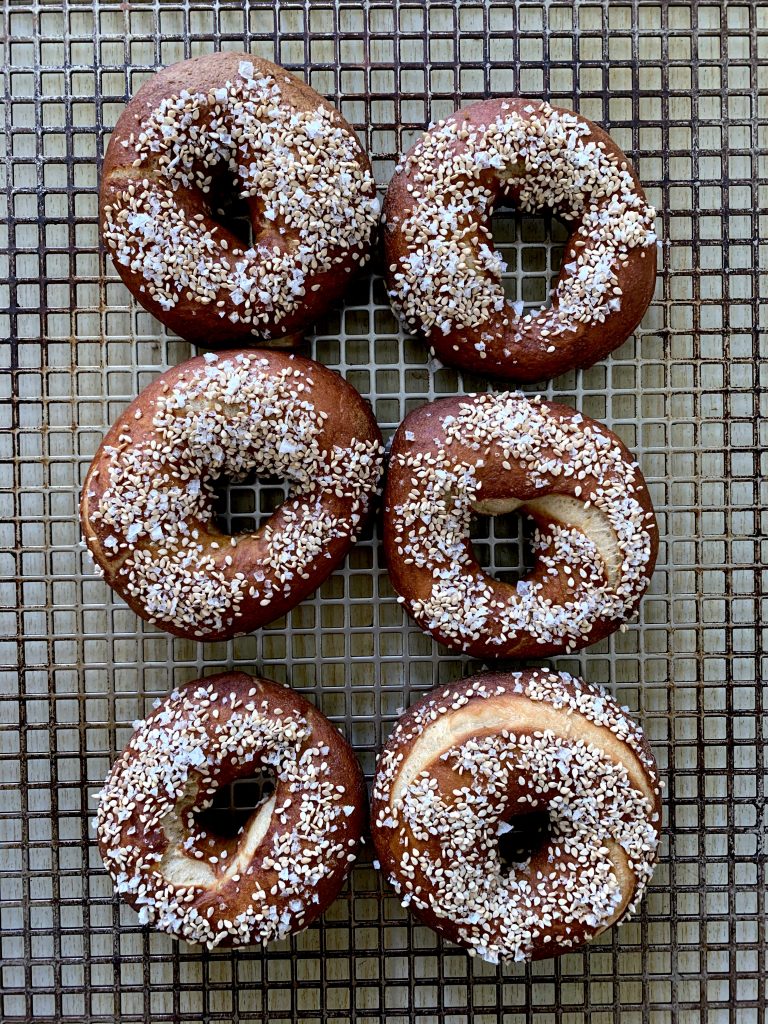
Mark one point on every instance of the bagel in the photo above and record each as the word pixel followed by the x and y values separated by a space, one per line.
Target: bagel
pixel 596 537
pixel 287 863
pixel 444 275
pixel 467 762
pixel 147 507
pixel 234 126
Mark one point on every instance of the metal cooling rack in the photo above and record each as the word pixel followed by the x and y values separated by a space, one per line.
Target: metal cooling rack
pixel 683 87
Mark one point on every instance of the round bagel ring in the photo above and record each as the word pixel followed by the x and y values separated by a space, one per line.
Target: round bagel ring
pixel 467 762
pixel 290 859
pixel 147 507
pixel 233 121
pixel 596 538
pixel 444 275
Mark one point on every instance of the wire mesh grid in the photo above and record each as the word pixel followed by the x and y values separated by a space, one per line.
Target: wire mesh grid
pixel 681 87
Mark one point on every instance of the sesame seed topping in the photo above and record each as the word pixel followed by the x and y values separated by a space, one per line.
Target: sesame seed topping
pixel 448 276
pixel 185 882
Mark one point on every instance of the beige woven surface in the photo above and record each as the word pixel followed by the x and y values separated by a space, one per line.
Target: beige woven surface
pixel 682 88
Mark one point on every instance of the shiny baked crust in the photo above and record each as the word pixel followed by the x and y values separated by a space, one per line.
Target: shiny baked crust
pixel 444 275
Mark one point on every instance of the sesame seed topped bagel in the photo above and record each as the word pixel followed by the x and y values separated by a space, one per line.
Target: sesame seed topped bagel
pixel 148 501
pixel 444 275
pixel 285 865
pixel 234 126
pixel 596 539
pixel 469 762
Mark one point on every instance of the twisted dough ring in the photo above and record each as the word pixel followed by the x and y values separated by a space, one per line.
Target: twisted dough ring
pixel 232 121
pixel 444 275
pixel 492 453
pixel 148 501
pixel 465 761
pixel 289 860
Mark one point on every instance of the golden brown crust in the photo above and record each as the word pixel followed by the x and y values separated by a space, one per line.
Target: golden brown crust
pixel 344 431
pixel 280 872
pixel 127 165
pixel 429 440
pixel 501 345
pixel 514 712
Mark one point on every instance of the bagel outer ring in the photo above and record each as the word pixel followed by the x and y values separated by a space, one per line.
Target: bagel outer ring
pixel 529 360
pixel 350 418
pixel 475 691
pixel 232 896
pixel 190 319
pixel 422 431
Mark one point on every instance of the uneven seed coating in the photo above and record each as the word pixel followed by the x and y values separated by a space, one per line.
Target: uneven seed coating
pixel 445 276
pixel 148 499
pixel 289 860
pixel 596 540
pixel 233 123
pixel 465 760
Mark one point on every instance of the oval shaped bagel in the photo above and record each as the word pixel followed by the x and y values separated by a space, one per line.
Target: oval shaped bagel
pixel 445 276
pixel 148 510
pixel 467 762
pixel 596 539
pixel 232 126
pixel 290 859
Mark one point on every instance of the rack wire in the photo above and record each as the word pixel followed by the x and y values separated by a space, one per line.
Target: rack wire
pixel 683 88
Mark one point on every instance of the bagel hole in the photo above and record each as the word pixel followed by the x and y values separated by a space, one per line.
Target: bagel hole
pixel 234 804
pixel 532 246
pixel 502 544
pixel 232 212
pixel 526 833
pixel 243 506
